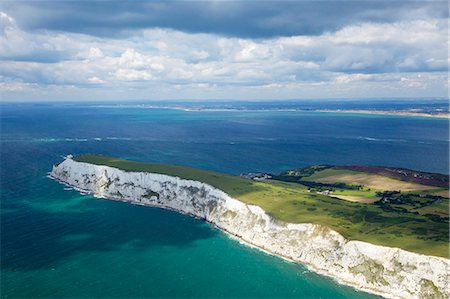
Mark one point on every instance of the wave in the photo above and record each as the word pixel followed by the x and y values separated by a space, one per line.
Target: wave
pixel 54 140
pixel 59 140
pixel 120 138
pixel 378 139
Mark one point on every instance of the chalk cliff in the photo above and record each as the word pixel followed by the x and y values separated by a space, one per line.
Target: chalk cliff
pixel 390 272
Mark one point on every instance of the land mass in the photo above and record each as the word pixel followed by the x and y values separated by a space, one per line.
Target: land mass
pixel 411 215
pixel 301 214
pixel 389 112
pixel 437 109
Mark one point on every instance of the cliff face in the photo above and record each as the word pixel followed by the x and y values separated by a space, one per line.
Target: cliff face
pixel 391 272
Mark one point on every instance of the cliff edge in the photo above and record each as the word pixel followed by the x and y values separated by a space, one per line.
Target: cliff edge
pixel 386 271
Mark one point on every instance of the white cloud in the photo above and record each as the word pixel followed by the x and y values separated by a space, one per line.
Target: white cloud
pixel 347 78
pixel 96 80
pixel 133 75
pixel 95 53
pixel 359 58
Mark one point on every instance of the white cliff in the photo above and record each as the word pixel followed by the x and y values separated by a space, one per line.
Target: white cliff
pixel 390 272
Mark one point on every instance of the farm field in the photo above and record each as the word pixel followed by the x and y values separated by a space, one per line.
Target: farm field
pixel 374 181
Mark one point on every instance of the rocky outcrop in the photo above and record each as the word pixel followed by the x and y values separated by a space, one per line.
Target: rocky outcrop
pixel 390 272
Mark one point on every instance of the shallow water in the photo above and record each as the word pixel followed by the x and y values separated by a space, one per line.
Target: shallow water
pixel 58 243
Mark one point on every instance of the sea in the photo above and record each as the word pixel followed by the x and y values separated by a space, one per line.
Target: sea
pixel 58 243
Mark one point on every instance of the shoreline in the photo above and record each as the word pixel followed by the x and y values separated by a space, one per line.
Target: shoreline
pixel 383 112
pixel 349 111
pixel 309 266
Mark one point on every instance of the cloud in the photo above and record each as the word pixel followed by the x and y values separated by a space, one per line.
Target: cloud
pixel 245 19
pixel 407 56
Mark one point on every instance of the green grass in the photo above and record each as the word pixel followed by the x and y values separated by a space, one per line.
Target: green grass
pixel 365 192
pixel 328 172
pixel 440 208
pixel 233 185
pixel 291 202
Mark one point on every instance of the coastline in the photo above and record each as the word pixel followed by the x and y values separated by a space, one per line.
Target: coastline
pixel 321 249
pixel 383 112
pixel 232 236
pixel 349 111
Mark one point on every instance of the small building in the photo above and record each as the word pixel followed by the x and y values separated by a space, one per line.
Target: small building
pixel 256 176
pixel 325 192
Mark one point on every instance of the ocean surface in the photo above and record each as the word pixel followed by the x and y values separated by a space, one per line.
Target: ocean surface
pixel 56 242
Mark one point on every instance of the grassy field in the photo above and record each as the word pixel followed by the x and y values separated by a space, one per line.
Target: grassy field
pixel 443 193
pixel 356 198
pixel 374 181
pixel 409 227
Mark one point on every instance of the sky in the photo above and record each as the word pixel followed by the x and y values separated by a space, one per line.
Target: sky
pixel 235 50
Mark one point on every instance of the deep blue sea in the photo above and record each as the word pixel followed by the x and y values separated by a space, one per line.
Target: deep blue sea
pixel 59 243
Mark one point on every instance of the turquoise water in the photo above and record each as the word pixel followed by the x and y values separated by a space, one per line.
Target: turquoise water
pixel 58 243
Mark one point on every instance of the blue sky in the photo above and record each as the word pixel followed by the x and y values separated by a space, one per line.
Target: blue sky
pixel 252 50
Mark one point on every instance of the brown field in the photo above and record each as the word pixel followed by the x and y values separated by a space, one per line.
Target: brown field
pixel 373 181
pixel 443 193
pixel 353 198
pixel 403 174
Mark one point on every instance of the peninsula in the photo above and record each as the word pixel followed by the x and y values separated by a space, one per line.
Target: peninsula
pixel 382 230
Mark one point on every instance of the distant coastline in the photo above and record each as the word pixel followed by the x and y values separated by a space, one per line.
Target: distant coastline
pixel 410 112
pixel 384 112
